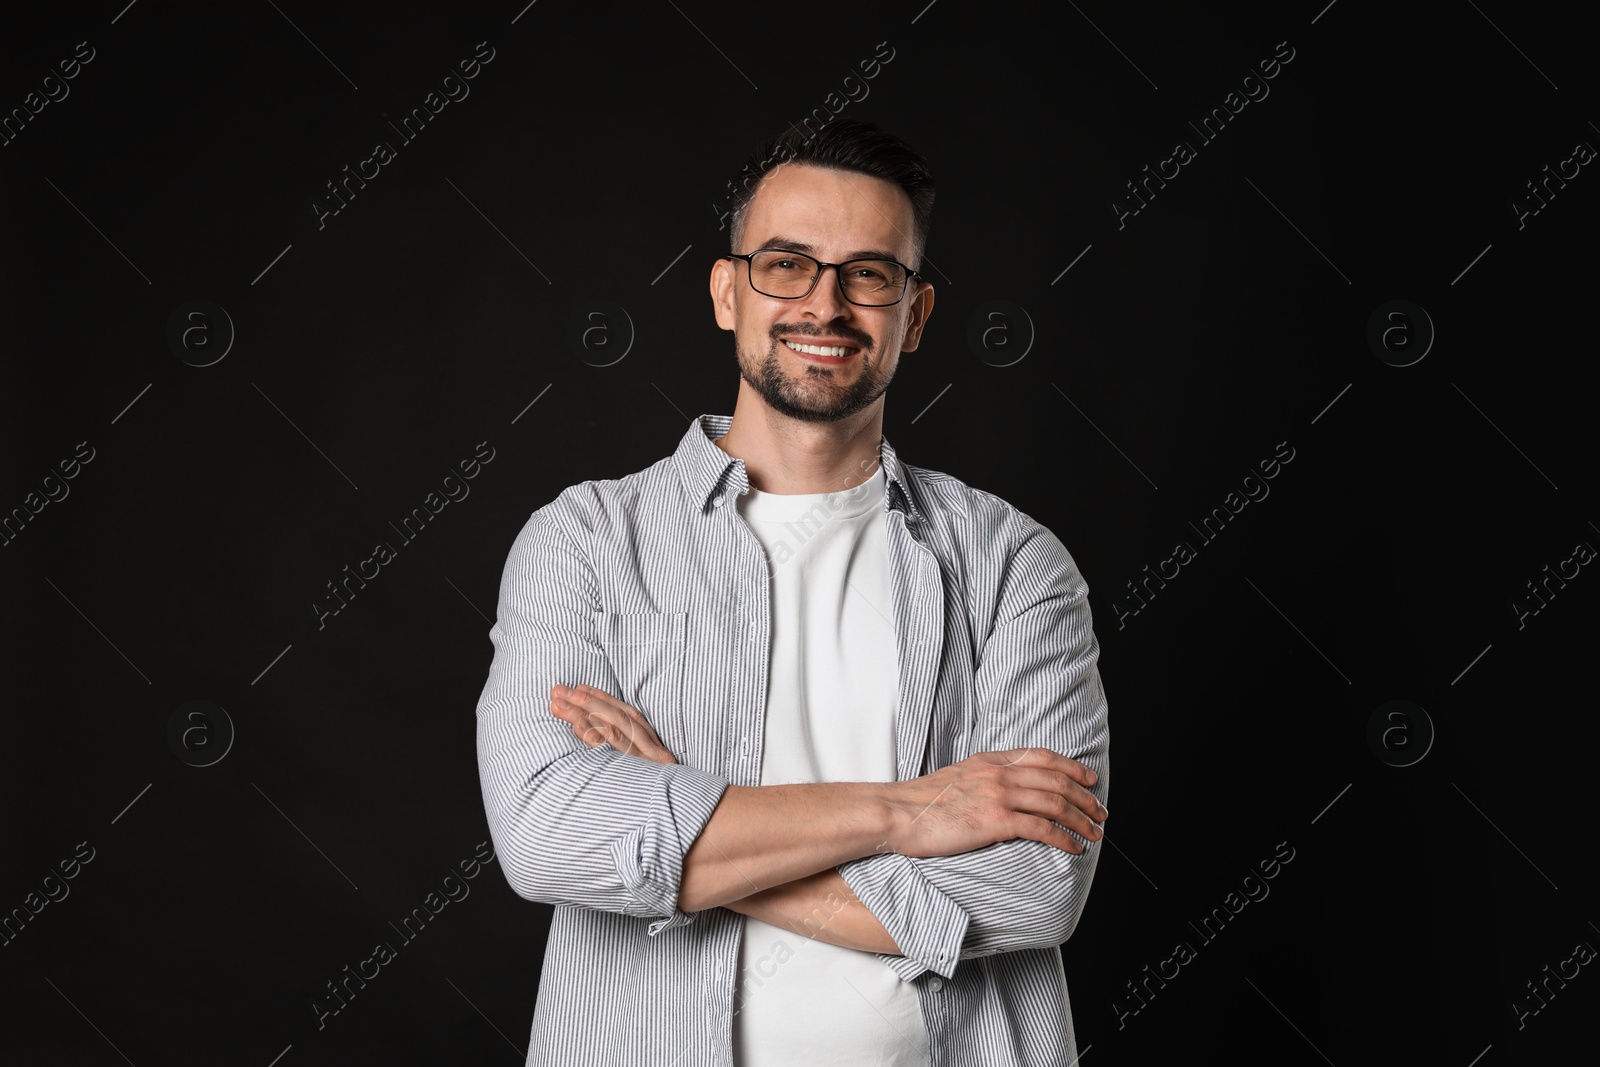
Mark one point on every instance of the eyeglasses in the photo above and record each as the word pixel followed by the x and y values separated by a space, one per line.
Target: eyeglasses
pixel 790 276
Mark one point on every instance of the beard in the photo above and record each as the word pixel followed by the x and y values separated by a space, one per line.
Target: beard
pixel 817 393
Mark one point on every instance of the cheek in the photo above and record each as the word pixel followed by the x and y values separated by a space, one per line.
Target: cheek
pixel 757 339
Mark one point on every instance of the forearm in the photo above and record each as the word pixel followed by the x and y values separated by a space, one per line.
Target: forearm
pixel 591 828
pixel 823 824
pixel 821 906
pixel 1006 897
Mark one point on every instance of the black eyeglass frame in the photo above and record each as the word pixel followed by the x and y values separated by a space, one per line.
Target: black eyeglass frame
pixel 838 274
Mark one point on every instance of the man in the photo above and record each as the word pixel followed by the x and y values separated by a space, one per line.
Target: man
pixel 831 721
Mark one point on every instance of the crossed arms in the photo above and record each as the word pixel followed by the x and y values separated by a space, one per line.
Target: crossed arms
pixel 588 809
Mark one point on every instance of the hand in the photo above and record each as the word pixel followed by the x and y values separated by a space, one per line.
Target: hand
pixel 994 796
pixel 599 718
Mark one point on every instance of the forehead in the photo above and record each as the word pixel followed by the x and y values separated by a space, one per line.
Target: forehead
pixel 836 212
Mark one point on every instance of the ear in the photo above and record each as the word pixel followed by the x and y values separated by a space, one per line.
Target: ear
pixel 723 278
pixel 921 308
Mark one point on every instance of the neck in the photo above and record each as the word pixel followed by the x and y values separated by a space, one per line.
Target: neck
pixel 792 456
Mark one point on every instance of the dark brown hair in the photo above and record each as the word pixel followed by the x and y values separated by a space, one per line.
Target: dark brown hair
pixel 842 144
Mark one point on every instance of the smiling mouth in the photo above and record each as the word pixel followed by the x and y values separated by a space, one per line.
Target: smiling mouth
pixel 822 353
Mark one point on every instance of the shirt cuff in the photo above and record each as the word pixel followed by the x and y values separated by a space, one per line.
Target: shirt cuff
pixel 927 924
pixel 649 858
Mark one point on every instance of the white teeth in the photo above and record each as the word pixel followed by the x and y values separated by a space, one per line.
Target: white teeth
pixel 817 350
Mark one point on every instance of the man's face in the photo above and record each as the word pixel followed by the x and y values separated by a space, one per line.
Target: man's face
pixel 832 216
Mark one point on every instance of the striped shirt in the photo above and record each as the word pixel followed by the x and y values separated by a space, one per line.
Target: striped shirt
pixel 652 588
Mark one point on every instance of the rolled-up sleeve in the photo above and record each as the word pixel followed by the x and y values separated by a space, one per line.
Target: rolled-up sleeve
pixel 1036 686
pixel 575 825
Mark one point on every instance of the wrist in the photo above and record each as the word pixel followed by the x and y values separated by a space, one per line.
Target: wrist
pixel 882 816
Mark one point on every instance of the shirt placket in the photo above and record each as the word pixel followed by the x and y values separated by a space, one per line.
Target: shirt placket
pixel 749 575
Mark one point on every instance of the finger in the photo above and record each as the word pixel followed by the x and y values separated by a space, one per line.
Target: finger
pixel 1047 832
pixel 1049 804
pixel 1048 780
pixel 602 727
pixel 1044 757
pixel 590 734
pixel 587 696
pixel 598 700
pixel 589 707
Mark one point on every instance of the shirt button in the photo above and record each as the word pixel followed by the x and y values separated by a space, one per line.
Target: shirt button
pixel 935 984
pixel 716 501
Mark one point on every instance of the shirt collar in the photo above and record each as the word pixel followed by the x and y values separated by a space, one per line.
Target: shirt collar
pixel 708 472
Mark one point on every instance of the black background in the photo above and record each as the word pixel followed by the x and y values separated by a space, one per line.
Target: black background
pixel 375 352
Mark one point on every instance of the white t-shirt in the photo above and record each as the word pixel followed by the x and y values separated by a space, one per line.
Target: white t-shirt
pixel 831 697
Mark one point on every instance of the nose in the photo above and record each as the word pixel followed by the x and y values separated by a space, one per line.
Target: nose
pixel 826 299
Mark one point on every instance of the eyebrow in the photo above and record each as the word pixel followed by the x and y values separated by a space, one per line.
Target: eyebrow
pixel 800 246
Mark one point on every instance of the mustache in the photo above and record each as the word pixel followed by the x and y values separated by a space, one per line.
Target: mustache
pixel 861 339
